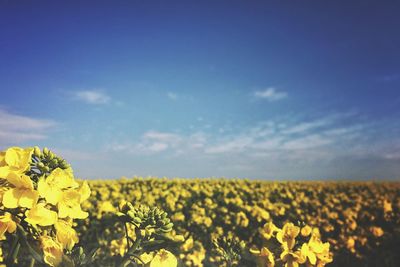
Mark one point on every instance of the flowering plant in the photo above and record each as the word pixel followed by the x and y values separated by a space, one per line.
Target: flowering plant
pixel 39 201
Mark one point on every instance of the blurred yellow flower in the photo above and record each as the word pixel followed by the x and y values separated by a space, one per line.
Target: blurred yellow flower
pixel 22 195
pixel 265 258
pixel 40 215
pixel 7 224
pixel 377 231
pixel 268 230
pixel 52 250
pixel 291 259
pixel 287 235
pixel 164 258
pixel 307 253
pixel 306 230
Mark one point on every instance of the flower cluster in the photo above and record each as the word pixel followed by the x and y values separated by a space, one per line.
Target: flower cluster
pixel 40 199
pixel 295 246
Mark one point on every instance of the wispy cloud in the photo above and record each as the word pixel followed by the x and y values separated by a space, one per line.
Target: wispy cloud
pixel 15 129
pixel 270 94
pixel 94 97
pixel 152 142
pixel 172 96
pixel 284 147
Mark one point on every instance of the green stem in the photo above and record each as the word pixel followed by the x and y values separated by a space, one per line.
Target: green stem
pixel 136 245
pixel 14 249
pixel 127 237
pixel 32 262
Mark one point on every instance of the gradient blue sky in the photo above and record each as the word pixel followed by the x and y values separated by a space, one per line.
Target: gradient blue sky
pixel 249 89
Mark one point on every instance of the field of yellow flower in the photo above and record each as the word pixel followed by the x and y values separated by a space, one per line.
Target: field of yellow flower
pixel 360 220
pixel 49 218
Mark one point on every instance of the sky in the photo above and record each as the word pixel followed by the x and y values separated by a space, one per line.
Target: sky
pixel 275 90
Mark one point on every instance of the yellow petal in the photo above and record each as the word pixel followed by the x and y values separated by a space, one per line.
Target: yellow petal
pixel 4 171
pixel 84 191
pixel 11 197
pixel 40 215
pixel 51 194
pixel 28 198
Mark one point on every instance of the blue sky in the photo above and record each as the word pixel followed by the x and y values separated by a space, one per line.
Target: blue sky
pixel 267 89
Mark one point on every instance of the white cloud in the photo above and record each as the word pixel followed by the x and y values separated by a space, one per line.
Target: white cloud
pixel 172 96
pixel 15 129
pixel 95 97
pixel 270 94
pixel 157 147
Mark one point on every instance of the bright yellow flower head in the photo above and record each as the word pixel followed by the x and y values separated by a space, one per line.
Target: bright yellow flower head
pixel 377 231
pixel 306 230
pixel 164 258
pixel 268 230
pixel 51 187
pixel 66 235
pixel 41 215
pixel 6 224
pixel 291 259
pixel 22 195
pixel 287 235
pixel 307 253
pixel 15 159
pixel 265 258
pixel 52 250
pixel 70 205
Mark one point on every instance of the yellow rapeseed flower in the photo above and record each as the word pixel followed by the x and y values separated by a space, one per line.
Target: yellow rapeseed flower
pixel 307 253
pixel 52 250
pixel 306 230
pixel 7 224
pixel 51 187
pixel 66 235
pixel 164 258
pixel 265 258
pixel 377 231
pixel 22 195
pixel 288 234
pixel 291 259
pixel 40 215
pixel 15 159
pixel 69 205
pixel 268 230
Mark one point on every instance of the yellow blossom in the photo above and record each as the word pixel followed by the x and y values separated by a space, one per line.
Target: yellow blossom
pixel 52 250
pixel 41 215
pixel 164 258
pixel 265 258
pixel 15 159
pixel 69 205
pixel 291 259
pixel 376 231
pixel 51 187
pixel 287 235
pixel 268 230
pixel 22 195
pixel 387 206
pixel 307 253
pixel 66 235
pixel 306 230
pixel 7 224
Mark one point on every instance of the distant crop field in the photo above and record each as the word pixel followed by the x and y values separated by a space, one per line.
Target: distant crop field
pixel 49 218
pixel 361 221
